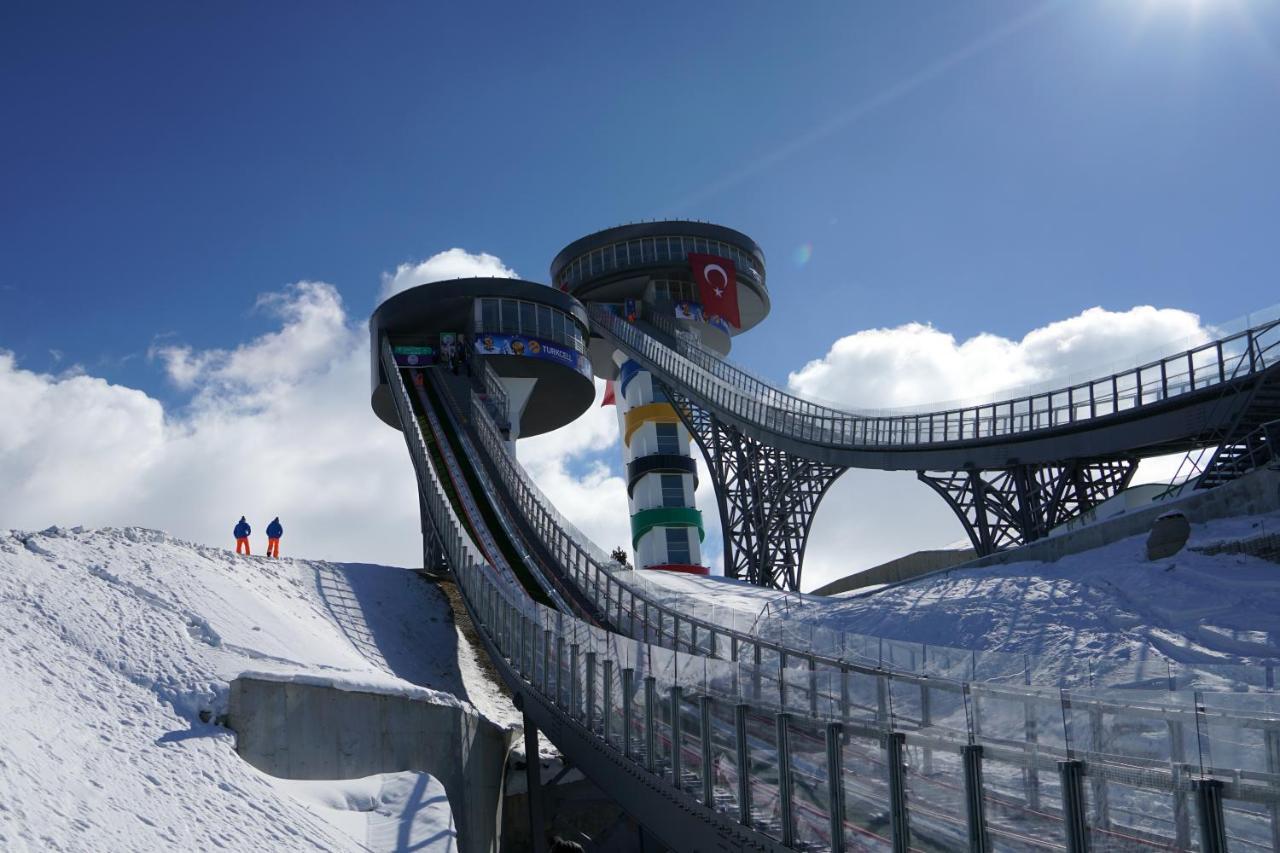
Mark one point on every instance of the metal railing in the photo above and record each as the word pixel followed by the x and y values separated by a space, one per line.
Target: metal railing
pixel 639 607
pixel 871 760
pixel 757 401
pixel 495 391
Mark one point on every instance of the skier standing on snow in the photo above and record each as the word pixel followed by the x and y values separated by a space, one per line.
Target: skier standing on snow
pixel 274 532
pixel 241 533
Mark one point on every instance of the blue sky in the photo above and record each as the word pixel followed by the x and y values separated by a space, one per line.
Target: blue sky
pixel 984 166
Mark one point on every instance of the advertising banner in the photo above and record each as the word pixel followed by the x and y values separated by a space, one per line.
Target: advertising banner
pixel 526 347
pixel 693 311
pixel 413 356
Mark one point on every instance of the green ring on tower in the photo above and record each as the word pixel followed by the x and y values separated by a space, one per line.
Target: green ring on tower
pixel 665 516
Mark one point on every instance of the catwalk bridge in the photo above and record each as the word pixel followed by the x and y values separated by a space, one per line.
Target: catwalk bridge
pixel 717 734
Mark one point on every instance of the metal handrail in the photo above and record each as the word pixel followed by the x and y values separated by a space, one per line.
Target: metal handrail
pixel 757 401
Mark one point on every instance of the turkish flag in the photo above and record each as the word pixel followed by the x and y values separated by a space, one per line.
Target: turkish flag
pixel 718 286
pixel 609 399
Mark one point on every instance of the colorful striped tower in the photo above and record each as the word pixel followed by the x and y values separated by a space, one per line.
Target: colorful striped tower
pixel 707 282
pixel 666 525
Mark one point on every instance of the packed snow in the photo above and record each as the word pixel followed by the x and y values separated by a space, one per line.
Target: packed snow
pixel 1108 604
pixel 116 649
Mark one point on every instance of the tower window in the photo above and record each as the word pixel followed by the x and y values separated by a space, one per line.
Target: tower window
pixel 672 490
pixel 678 545
pixel 668 438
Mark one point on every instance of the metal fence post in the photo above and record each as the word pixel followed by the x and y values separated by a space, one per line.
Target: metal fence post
pixel 676 737
pixel 546 661
pixel 1213 831
pixel 844 693
pixel 650 709
pixel 575 683
pixel 1272 738
pixel 744 763
pixel 628 712
pixel 895 759
pixel 560 685
pixel 975 814
pixel 708 775
pixel 606 699
pixel 785 793
pixel 1097 732
pixel 835 784
pixel 1072 775
pixel 1181 814
pixel 813 686
pixel 755 673
pixel 591 691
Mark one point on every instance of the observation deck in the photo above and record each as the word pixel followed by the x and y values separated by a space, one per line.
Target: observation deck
pixel 531 336
pixel 650 261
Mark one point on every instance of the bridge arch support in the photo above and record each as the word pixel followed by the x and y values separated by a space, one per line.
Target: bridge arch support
pixel 1007 507
pixel 766 496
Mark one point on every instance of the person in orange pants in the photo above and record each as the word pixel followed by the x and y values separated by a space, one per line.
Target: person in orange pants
pixel 241 533
pixel 274 532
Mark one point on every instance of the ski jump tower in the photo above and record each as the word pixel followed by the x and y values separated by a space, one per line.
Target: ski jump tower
pixel 699 280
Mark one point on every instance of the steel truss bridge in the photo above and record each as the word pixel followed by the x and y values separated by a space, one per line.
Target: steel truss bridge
pixel 720 736
pixel 1012 470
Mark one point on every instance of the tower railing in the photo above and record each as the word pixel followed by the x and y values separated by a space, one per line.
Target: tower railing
pixel 757 401
pixel 871 759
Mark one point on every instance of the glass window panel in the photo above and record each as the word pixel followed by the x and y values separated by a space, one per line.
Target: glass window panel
pixel 557 327
pixel 672 490
pixel 528 318
pixel 510 316
pixel 650 250
pixel 668 440
pixel 489 315
pixel 544 322
pixel 678 545
pixel 677 249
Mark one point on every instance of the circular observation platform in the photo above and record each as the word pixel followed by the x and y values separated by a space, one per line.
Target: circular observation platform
pixel 649 262
pixel 533 336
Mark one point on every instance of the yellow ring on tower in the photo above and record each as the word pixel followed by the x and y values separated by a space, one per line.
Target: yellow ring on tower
pixel 661 413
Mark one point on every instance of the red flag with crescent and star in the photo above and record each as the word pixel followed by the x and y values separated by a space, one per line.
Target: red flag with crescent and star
pixel 609 399
pixel 717 280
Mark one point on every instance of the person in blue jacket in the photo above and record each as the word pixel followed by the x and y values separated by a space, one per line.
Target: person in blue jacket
pixel 241 533
pixel 274 532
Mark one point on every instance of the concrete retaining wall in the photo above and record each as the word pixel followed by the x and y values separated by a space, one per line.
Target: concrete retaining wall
pixel 894 571
pixel 300 730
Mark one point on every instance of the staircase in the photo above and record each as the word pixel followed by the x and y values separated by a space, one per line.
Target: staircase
pixel 1249 442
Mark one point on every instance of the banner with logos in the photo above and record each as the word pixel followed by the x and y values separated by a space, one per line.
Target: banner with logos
pixel 414 356
pixel 693 311
pixel 526 347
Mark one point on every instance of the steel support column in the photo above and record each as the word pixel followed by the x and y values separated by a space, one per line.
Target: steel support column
pixel 1012 506
pixel 767 497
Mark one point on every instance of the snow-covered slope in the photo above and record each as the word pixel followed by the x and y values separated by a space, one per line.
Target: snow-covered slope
pixel 1109 604
pixel 116 647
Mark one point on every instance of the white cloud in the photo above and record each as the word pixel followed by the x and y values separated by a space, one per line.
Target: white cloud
pixel 278 426
pixel 916 364
pixel 452 263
